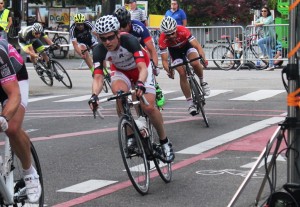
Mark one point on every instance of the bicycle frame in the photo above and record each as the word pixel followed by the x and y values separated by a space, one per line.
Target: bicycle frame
pixel 6 178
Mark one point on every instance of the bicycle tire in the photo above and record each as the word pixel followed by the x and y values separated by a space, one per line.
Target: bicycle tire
pixel 251 51
pixel 164 169
pixel 61 74
pixel 198 98
pixel 44 74
pixel 62 52
pixel 135 163
pixel 221 52
pixel 19 182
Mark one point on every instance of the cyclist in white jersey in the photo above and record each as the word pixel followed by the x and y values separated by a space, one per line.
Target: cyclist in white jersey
pixel 129 66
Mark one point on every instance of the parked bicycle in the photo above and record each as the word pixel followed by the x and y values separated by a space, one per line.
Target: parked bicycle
pixel 196 89
pixel 107 77
pixel 12 185
pixel 57 71
pixel 138 160
pixel 63 51
pixel 226 58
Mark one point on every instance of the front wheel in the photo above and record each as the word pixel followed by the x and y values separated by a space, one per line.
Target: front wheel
pixel 62 52
pixel 198 98
pixel 61 74
pixel 44 74
pixel 20 184
pixel 134 158
pixel 221 56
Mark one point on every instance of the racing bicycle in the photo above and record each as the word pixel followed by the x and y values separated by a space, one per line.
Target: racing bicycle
pixel 196 90
pixel 12 185
pixel 139 160
pixel 226 58
pixel 56 71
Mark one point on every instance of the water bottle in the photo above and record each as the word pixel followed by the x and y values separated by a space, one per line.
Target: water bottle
pixel 141 124
pixel 258 63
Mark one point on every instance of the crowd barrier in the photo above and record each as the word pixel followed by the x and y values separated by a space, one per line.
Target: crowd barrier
pixel 226 51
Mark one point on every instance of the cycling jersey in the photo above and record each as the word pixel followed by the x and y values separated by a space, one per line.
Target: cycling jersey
pixel 12 66
pixel 124 58
pixel 183 37
pixel 85 35
pixel 140 31
pixel 26 36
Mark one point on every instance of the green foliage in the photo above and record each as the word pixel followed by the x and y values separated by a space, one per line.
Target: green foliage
pixel 158 6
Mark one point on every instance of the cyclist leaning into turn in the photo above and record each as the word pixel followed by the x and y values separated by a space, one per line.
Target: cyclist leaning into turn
pixel 139 30
pixel 178 40
pixel 81 36
pixel 130 66
pixel 14 90
pixel 29 41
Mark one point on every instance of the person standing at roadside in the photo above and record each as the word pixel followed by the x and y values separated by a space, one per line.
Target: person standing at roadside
pixel 267 42
pixel 5 20
pixel 137 13
pixel 176 13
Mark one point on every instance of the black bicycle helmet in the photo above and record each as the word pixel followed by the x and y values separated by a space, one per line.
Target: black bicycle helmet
pixel 123 16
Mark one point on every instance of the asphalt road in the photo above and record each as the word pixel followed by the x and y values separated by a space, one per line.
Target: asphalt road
pixel 81 161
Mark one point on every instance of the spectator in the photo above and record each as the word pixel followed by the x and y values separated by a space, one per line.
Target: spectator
pixel 277 53
pixel 267 42
pixel 5 20
pixel 137 13
pixel 177 13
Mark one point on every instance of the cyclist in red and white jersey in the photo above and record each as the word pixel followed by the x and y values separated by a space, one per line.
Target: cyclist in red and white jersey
pixel 14 89
pixel 179 41
pixel 130 65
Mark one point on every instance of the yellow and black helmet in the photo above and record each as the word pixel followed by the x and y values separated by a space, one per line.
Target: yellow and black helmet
pixel 79 18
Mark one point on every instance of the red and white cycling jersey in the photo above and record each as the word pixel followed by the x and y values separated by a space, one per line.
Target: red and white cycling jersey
pixel 183 36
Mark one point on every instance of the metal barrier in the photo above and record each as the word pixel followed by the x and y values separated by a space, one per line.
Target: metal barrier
pixel 235 47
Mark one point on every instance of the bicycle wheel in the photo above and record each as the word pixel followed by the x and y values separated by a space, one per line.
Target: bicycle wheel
pixel 252 54
pixel 198 98
pixel 164 169
pixel 20 184
pixel 44 74
pixel 61 74
pixel 220 56
pixel 62 52
pixel 135 161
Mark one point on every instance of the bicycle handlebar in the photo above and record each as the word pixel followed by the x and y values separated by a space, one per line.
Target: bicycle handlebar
pixel 123 95
pixel 189 61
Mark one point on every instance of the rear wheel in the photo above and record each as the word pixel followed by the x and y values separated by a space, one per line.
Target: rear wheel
pixel 221 56
pixel 134 160
pixel 62 52
pixel 61 74
pixel 164 169
pixel 20 184
pixel 198 98
pixel 44 74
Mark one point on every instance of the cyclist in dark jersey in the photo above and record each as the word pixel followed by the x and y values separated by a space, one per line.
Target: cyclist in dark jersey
pixel 29 41
pixel 14 89
pixel 81 36
pixel 139 30
pixel 130 66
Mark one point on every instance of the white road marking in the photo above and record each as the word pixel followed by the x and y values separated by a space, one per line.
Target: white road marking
pixel 262 163
pixel 87 186
pixel 230 136
pixel 43 98
pixel 258 95
pixel 82 98
pixel 212 93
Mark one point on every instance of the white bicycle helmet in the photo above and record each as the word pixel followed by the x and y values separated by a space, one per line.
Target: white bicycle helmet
pixel 37 27
pixel 106 24
pixel 168 25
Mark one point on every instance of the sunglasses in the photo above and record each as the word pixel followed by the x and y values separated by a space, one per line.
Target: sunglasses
pixel 264 11
pixel 170 34
pixel 109 38
pixel 79 24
